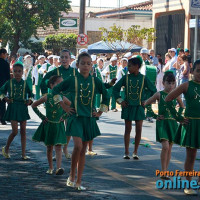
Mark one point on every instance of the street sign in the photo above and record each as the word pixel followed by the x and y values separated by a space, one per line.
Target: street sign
pixel 195 7
pixel 192 23
pixel 82 39
pixel 68 23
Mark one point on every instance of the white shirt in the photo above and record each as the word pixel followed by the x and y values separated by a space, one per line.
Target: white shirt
pixel 142 69
pixel 160 72
pixel 172 61
pixel 107 69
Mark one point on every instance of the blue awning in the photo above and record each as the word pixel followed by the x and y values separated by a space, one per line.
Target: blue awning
pixel 106 47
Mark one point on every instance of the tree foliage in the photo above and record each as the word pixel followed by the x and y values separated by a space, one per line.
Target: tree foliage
pixel 35 47
pixel 21 18
pixel 133 35
pixel 56 43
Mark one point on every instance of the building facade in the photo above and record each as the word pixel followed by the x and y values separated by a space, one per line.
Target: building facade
pixel 171 19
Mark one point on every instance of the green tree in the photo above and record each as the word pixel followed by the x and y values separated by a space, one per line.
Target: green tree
pixel 36 47
pixel 21 18
pixel 56 43
pixel 134 35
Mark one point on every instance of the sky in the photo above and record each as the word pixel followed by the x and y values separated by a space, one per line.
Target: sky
pixel 107 3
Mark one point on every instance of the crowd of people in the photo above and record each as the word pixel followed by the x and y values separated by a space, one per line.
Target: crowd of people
pixel 77 91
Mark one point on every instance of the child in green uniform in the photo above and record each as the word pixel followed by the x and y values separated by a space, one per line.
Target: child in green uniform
pixel 98 70
pixel 122 72
pixel 82 126
pixel 188 131
pixel 52 131
pixel 65 71
pixel 166 125
pixel 17 94
pixel 111 72
pixel 132 105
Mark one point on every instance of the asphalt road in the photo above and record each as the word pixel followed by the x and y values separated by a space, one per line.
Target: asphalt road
pixel 107 175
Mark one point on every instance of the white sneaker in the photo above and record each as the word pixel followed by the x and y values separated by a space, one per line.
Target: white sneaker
pixel 49 171
pixel 91 153
pixel 70 183
pixel 80 187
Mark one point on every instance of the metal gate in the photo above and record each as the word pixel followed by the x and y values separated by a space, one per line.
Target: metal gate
pixel 169 31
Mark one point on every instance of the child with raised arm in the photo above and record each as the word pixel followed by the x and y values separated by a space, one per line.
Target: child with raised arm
pixel 82 126
pixel 18 95
pixel 52 131
pixel 188 131
pixel 166 125
pixel 132 104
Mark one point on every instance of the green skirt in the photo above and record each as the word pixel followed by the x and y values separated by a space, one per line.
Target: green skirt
pixel 133 113
pixel 51 134
pixel 189 135
pixel 166 130
pixel 17 111
pixel 84 127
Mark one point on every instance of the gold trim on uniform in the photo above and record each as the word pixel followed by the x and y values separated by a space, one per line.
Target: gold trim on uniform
pixel 11 91
pixel 2 96
pixel 141 89
pixel 24 90
pixel 57 98
pixel 119 100
pixel 103 108
pixel 76 94
pixel 93 87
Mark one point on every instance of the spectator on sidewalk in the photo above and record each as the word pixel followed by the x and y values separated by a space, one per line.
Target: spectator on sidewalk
pixel 4 76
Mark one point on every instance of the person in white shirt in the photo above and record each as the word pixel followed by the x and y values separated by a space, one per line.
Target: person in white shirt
pixel 123 69
pixel 160 74
pixel 144 54
pixel 55 63
pixel 28 71
pixel 154 59
pixel 38 76
pixel 45 67
pixel 128 55
pixel 172 65
pixel 167 62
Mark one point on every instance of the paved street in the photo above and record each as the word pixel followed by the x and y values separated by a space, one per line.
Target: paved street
pixel 106 175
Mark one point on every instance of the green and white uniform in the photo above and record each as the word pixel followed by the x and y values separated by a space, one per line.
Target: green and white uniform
pixel 29 77
pixel 19 93
pixel 82 95
pixel 52 132
pixel 60 71
pixel 166 128
pixel 189 135
pixel 112 74
pixel 38 80
pixel 98 96
pixel 135 95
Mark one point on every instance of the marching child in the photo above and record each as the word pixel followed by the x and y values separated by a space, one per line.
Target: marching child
pixel 166 125
pixel 188 131
pixel 82 126
pixel 132 104
pixel 52 131
pixel 18 95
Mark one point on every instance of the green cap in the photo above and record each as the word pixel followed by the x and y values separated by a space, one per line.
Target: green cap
pixel 19 63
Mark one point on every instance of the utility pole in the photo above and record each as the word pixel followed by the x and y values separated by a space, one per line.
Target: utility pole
pixel 196 36
pixel 82 17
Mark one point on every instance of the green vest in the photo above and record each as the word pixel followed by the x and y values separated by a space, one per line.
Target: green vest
pixel 113 71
